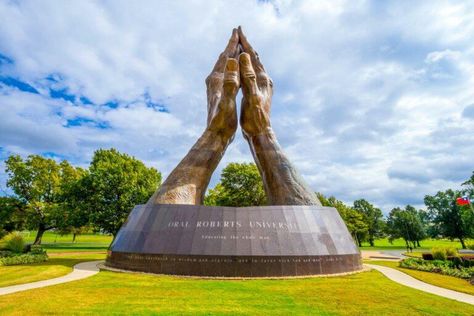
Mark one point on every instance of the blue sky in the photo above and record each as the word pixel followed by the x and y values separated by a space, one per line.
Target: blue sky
pixel 373 99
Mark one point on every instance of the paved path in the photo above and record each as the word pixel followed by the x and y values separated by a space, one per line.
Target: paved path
pixel 80 271
pixel 409 281
pixel 379 255
pixel 395 253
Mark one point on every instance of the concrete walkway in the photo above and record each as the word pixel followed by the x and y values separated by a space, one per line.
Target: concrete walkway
pixel 80 271
pixel 379 255
pixel 409 281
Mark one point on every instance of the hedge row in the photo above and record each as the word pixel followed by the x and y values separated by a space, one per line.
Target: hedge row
pixel 438 266
pixel 23 259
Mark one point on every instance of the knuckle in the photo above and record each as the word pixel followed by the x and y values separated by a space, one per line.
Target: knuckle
pixel 264 79
pixel 214 79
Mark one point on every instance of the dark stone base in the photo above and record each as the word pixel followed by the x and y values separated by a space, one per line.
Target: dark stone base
pixel 234 266
pixel 268 241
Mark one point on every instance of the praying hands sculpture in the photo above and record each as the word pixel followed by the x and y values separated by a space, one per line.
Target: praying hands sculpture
pixel 238 66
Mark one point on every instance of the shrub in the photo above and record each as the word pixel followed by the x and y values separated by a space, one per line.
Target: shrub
pixel 14 242
pixel 451 252
pixel 457 261
pixel 438 266
pixel 23 259
pixel 427 256
pixel 470 245
pixel 37 249
pixel 439 253
pixel 467 261
pixel 5 253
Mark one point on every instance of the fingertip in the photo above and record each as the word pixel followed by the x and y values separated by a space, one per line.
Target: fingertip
pixel 244 58
pixel 232 65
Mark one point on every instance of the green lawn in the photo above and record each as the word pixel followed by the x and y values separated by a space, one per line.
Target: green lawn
pixel 88 242
pixel 57 265
pixel 367 293
pixel 53 242
pixel 52 237
pixel 384 244
pixel 437 279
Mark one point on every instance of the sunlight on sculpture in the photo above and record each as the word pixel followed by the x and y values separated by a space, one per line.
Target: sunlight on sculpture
pixel 174 234
pixel 188 182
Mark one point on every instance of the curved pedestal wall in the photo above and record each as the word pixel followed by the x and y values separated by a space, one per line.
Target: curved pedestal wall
pixel 234 242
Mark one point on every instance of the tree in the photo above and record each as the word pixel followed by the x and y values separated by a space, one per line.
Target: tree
pixel 407 224
pixel 11 214
pixel 115 184
pixel 240 185
pixel 38 183
pixel 469 185
pixel 352 218
pixel 452 221
pixel 75 210
pixel 373 217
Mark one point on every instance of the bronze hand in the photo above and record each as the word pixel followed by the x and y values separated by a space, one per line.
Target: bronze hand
pixel 188 182
pixel 282 182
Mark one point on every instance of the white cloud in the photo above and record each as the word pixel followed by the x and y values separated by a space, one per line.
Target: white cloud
pixel 369 96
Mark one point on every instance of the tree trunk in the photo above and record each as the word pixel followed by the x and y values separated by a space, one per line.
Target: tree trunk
pixel 418 243
pixel 359 242
pixel 39 234
pixel 462 243
pixel 74 237
pixel 371 241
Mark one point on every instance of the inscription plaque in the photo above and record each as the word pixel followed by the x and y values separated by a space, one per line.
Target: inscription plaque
pixel 234 242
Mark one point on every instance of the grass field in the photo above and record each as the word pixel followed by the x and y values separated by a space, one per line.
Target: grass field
pixel 88 242
pixel 53 242
pixel 367 293
pixel 384 244
pixel 57 265
pixel 437 279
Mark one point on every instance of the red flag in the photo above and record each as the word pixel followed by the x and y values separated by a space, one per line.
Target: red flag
pixel 462 201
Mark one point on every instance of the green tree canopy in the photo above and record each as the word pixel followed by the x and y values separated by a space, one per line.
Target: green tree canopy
pixel 75 211
pixel 11 214
pixel 240 185
pixel 373 217
pixel 407 224
pixel 39 183
pixel 115 184
pixel 352 218
pixel 451 221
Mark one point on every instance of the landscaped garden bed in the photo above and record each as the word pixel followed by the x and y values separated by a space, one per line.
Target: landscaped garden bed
pixel 14 251
pixel 444 261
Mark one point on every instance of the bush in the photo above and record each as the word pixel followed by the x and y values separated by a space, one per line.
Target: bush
pixel 467 261
pixel 451 252
pixel 6 253
pixel 37 249
pixel 23 259
pixel 14 242
pixel 470 245
pixel 439 253
pixel 427 256
pixel 438 266
pixel 457 261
